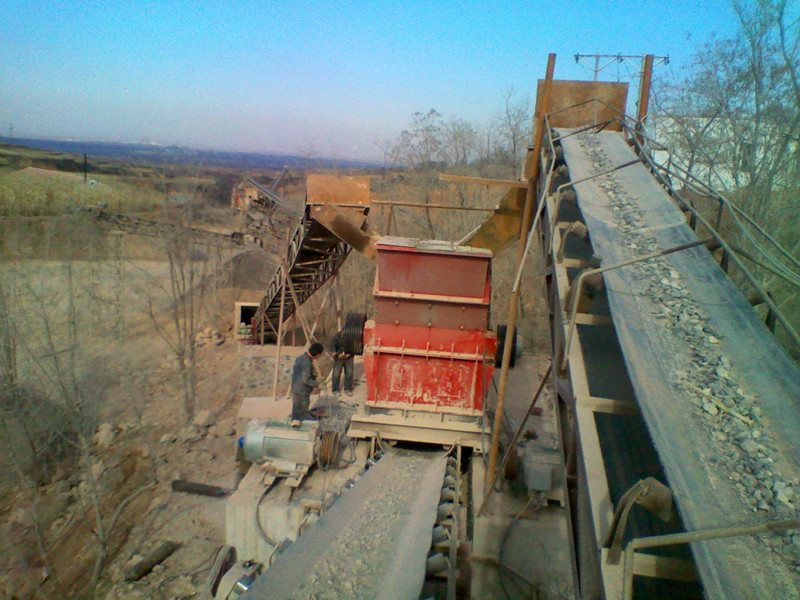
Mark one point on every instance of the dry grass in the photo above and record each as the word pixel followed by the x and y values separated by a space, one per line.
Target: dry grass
pixel 40 192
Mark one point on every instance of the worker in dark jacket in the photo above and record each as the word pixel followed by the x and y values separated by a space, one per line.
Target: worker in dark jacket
pixel 305 382
pixel 341 361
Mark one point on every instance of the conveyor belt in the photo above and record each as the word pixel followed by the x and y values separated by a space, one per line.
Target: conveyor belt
pixel 169 231
pixel 313 256
pixel 372 544
pixel 726 347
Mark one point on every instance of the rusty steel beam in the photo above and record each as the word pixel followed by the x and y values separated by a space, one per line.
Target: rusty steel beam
pixel 542 108
pixel 644 88
pixel 525 227
pixel 391 203
pixel 340 222
pixel 482 180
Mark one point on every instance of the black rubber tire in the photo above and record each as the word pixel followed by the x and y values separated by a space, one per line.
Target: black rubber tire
pixel 354 333
pixel 502 330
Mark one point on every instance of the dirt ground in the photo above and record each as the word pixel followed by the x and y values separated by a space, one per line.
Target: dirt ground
pixel 141 441
pixel 203 452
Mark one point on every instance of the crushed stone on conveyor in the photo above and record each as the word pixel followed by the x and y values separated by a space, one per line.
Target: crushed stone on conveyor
pixel 365 549
pixel 747 454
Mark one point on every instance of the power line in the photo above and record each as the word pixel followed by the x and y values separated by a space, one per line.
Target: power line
pixel 612 59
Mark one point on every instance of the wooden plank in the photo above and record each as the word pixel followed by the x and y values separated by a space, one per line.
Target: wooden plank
pixel 609 405
pixel 663 567
pixel 575 263
pixel 588 319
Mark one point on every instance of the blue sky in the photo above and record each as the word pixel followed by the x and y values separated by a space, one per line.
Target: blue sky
pixel 329 78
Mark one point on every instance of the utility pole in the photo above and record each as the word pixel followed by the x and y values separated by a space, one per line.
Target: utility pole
pixel 617 59
pixel 639 65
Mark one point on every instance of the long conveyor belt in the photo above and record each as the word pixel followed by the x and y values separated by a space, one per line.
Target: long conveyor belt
pixel 166 230
pixel 688 334
pixel 372 543
pixel 313 256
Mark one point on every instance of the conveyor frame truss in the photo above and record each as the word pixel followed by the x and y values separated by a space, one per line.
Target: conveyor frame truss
pixel 333 222
pixel 313 256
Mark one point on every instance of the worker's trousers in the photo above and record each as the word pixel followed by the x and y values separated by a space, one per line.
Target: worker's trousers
pixel 340 364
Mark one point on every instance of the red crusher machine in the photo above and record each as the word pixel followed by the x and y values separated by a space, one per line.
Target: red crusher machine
pixel 428 352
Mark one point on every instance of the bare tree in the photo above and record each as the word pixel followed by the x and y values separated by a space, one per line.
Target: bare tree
pixel 54 420
pixel 485 146
pixel 391 153
pixel 513 126
pixel 184 294
pixel 735 116
pixel 433 143
pixel 734 121
pixel 177 307
pixel 421 145
pixel 459 143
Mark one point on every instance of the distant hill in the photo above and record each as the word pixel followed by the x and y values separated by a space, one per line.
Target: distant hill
pixel 152 153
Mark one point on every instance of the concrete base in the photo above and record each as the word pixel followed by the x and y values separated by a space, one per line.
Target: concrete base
pixel 535 550
pixel 241 513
